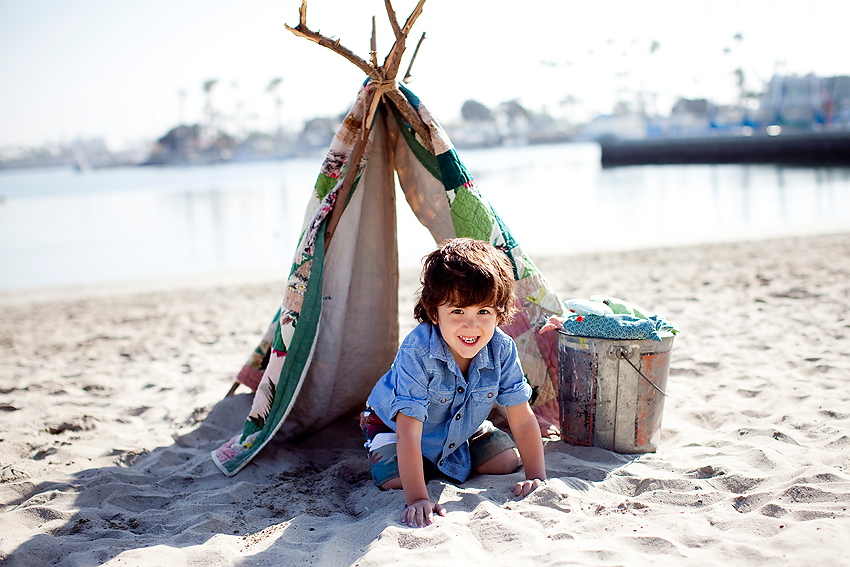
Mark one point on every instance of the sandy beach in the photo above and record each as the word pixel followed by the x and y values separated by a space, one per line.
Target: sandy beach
pixel 111 401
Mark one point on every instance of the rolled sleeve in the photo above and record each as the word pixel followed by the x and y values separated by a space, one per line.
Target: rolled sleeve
pixel 518 394
pixel 410 390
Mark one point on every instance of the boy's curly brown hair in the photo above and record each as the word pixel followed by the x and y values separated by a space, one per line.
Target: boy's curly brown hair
pixel 463 272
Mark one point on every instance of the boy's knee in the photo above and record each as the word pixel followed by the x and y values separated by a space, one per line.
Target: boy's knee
pixel 505 462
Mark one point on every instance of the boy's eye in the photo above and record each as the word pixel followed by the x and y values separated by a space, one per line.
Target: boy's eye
pixel 483 311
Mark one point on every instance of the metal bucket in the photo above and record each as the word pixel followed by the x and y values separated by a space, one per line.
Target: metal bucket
pixel 611 392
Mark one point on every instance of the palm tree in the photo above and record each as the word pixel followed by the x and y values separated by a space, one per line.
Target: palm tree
pixel 273 87
pixel 181 107
pixel 208 107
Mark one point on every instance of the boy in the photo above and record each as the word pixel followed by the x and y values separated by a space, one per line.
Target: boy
pixel 430 409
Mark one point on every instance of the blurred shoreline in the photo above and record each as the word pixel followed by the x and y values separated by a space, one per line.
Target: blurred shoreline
pixel 799 120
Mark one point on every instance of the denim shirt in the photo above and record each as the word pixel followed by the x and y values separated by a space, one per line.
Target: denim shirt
pixel 426 383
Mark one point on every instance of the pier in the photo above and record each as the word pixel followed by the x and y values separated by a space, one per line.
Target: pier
pixel 805 149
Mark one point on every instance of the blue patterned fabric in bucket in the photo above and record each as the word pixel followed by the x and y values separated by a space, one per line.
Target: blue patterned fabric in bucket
pixel 614 319
pixel 623 327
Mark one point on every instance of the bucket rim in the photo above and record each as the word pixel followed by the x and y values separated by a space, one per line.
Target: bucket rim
pixel 563 335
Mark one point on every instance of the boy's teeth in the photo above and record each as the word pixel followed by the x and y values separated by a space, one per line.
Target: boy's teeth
pixel 468 340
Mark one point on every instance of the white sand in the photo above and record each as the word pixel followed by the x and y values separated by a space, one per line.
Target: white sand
pixel 109 406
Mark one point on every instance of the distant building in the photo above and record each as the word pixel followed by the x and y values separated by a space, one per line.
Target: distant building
pixel 690 116
pixel 627 126
pixel 806 103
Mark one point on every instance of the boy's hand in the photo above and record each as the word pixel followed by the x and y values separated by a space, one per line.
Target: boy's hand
pixel 554 322
pixel 525 487
pixel 418 514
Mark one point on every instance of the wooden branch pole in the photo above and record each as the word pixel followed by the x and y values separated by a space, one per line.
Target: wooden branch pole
pixel 350 174
pixel 373 53
pixel 302 30
pixel 403 106
pixel 412 59
pixel 233 389
pixel 393 19
pixel 393 59
pixel 411 19
pixel 384 77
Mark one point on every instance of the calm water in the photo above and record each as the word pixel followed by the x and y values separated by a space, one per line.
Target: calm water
pixel 59 227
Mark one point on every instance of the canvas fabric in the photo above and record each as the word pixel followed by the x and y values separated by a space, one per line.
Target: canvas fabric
pixel 336 331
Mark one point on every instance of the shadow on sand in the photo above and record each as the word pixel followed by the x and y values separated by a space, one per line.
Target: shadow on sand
pixel 173 500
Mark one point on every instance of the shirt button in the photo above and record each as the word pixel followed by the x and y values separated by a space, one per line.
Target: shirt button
pixel 441 462
pixel 451 445
pixel 460 390
pixel 457 417
pixel 490 395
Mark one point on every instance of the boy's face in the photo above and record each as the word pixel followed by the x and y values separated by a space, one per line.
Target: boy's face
pixel 466 330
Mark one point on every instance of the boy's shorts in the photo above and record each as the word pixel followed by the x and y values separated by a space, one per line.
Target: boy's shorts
pixel 487 442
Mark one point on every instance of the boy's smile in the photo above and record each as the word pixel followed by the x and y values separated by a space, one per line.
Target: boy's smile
pixel 466 330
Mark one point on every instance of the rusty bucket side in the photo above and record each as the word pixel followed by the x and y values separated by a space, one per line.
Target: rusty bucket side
pixel 611 392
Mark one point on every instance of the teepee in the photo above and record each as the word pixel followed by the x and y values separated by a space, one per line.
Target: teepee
pixel 337 329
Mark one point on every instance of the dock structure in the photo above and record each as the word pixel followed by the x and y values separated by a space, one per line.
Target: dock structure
pixel 804 149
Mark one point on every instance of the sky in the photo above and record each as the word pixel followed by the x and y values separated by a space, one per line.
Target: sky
pixel 116 70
